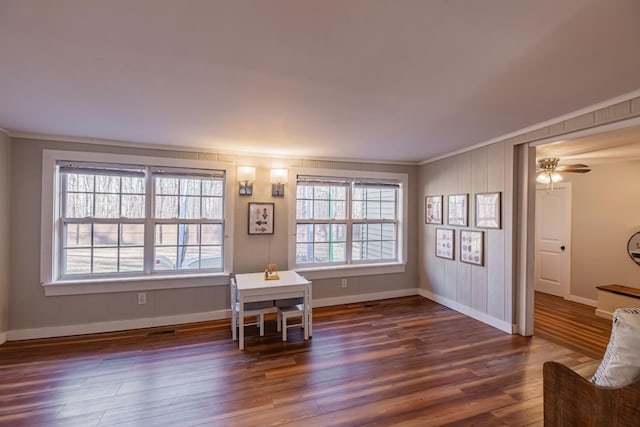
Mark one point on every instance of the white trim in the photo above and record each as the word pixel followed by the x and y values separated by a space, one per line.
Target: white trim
pixel 351 270
pixel 48 208
pixel 603 313
pixel 581 300
pixel 467 311
pixel 116 325
pixel 595 129
pixel 5 131
pixel 352 299
pixel 3 337
pixel 134 284
pixel 590 109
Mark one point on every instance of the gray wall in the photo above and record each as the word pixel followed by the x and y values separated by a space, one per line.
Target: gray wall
pixel 485 291
pixel 4 235
pixel 31 309
pixel 605 213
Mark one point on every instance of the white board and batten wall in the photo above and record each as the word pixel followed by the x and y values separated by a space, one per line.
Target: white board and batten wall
pixel 482 292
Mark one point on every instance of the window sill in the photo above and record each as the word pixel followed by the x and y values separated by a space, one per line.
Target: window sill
pixel 335 271
pixel 133 284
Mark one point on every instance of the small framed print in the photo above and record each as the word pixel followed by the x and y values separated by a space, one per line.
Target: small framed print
pixel 458 209
pixel 433 210
pixel 488 207
pixel 472 247
pixel 445 243
pixel 261 218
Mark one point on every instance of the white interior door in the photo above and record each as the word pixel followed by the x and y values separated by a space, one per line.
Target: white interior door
pixel 553 239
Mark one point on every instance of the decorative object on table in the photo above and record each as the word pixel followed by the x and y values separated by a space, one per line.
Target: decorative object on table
pixel 472 247
pixel 271 272
pixel 488 209
pixel 445 243
pixel 433 210
pixel 633 247
pixel 261 218
pixel 458 210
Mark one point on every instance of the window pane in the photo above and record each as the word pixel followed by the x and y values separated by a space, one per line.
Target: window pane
pixel 388 250
pixel 304 209
pixel 166 258
pixel 190 187
pixel 133 206
pixel 211 257
pixel 304 233
pixel 105 260
pixel 132 235
pixel 338 252
pixel 105 235
pixel 132 185
pixel 211 234
pixel 388 210
pixel 166 185
pixel 77 235
pixel 373 210
pixel 107 184
pixel 304 253
pixel 131 259
pixel 107 206
pixel 358 211
pixel 189 207
pixel 388 232
pixel 321 252
pixel 80 183
pixel 321 233
pixel 212 188
pixel 166 206
pixel 189 257
pixel 79 205
pixel 77 261
pixel 166 234
pixel 188 234
pixel 304 191
pixel 212 208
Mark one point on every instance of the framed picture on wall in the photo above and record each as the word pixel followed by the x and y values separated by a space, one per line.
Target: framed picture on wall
pixel 488 208
pixel 445 243
pixel 433 210
pixel 261 218
pixel 458 209
pixel 472 246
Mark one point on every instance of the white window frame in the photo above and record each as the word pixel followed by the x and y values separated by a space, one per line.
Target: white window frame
pixel 49 254
pixel 361 268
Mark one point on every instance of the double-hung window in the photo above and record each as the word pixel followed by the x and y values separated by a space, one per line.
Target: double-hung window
pixel 125 222
pixel 348 221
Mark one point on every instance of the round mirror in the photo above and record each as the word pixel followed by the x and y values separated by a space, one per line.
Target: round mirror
pixel 634 247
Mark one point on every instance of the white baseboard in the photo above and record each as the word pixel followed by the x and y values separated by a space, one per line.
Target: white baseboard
pixel 351 299
pixel 580 300
pixel 605 314
pixel 112 326
pixel 3 337
pixel 467 311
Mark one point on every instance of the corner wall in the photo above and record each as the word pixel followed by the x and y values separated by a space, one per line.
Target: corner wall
pixel 4 236
pixel 482 292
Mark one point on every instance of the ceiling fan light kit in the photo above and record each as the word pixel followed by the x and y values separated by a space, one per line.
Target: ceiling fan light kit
pixel 548 169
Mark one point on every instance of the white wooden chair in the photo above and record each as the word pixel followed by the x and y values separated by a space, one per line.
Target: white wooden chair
pixel 251 309
pixel 286 312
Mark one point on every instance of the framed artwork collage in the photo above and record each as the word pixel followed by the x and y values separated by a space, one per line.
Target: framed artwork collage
pixel 488 210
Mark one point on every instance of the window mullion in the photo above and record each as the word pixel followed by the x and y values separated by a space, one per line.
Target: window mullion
pixel 149 224
pixel 349 219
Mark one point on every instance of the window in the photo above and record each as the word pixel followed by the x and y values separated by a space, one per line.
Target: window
pixel 347 221
pixel 129 222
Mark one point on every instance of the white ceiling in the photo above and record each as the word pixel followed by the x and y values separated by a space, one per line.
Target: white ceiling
pixel 393 80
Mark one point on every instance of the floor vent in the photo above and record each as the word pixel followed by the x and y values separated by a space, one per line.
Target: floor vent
pixel 161 332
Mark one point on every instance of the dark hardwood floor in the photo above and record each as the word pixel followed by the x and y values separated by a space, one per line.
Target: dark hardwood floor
pixel 398 362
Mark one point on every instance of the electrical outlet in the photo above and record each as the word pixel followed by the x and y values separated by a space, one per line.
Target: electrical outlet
pixel 142 298
pixel 344 283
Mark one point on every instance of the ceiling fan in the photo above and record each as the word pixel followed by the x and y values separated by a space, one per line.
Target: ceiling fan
pixel 548 170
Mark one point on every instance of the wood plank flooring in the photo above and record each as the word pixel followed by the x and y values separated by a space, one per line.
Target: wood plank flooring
pixel 398 362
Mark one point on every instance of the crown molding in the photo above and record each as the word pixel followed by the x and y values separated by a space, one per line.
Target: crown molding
pixel 590 109
pixel 193 149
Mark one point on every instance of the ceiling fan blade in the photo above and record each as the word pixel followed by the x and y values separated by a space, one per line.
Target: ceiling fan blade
pixel 576 170
pixel 578 165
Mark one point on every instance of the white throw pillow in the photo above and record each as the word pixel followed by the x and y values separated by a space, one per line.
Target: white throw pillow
pixel 621 363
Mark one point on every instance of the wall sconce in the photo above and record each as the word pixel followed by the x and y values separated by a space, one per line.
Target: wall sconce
pixel 279 177
pixel 246 177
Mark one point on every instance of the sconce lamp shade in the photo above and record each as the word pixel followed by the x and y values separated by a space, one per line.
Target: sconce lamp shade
pixel 279 177
pixel 246 177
